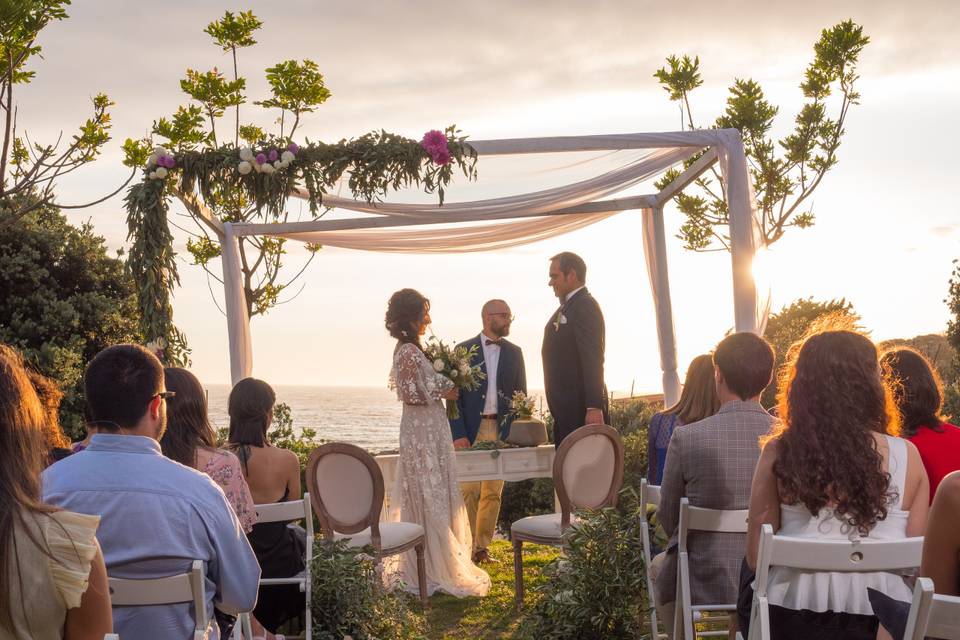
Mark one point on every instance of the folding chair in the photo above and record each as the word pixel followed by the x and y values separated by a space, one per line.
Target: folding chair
pixel 184 587
pixel 649 495
pixel 858 556
pixel 587 474
pixel 287 512
pixel 705 520
pixel 931 614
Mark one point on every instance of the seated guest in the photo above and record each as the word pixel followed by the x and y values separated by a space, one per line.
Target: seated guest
pixel 53 583
pixel 919 396
pixel 191 441
pixel 157 516
pixel 698 400
pixel 273 476
pixel 831 470
pixel 50 395
pixel 711 462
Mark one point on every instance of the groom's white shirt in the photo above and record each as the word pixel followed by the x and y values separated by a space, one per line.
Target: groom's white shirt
pixel 491 359
pixel 572 293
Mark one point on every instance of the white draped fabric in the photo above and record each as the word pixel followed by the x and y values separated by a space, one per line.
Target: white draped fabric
pixel 515 220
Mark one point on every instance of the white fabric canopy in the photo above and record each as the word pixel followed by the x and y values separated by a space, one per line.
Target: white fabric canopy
pixel 511 221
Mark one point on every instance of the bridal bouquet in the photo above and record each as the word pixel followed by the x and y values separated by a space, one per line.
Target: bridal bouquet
pixel 454 363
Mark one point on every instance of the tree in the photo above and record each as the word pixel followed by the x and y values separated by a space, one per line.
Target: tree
pixel 785 172
pixel 791 324
pixel 29 170
pixel 65 299
pixel 951 404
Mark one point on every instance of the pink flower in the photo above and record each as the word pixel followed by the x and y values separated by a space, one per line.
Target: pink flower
pixel 433 140
pixel 261 158
pixel 440 156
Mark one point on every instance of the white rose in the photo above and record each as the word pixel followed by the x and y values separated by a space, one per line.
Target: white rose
pixel 267 168
pixel 287 157
pixel 161 173
pixel 152 160
pixel 159 151
pixel 244 167
pixel 246 153
pixel 464 369
pixel 278 165
pixel 438 365
pixel 152 175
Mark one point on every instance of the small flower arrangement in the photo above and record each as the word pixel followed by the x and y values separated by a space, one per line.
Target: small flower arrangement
pixel 266 161
pixel 454 363
pixel 435 144
pixel 522 406
pixel 159 163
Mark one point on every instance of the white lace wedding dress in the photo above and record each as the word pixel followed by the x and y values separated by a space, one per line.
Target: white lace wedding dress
pixel 426 489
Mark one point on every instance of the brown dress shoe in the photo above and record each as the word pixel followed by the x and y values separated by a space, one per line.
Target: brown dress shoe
pixel 482 556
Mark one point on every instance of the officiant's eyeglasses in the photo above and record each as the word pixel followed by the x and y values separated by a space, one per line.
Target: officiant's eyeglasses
pixel 510 317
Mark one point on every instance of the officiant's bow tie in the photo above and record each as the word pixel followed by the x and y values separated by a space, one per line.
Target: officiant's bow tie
pixel 489 342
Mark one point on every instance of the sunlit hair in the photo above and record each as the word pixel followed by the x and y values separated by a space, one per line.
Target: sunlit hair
pixel 698 400
pixel 22 452
pixel 917 389
pixel 251 410
pixel 50 395
pixel 404 312
pixel 188 426
pixel 833 399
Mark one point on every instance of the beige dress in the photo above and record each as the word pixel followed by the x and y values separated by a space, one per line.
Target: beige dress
pixel 43 587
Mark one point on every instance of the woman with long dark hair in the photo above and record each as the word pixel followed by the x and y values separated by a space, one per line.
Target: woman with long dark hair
pixel 919 395
pixel 191 441
pixel 273 475
pixel 53 583
pixel 833 470
pixel 426 489
pixel 698 400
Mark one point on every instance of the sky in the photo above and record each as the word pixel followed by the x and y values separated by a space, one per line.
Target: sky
pixel 888 222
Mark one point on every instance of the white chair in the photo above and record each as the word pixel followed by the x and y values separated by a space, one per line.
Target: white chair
pixel 587 474
pixel 111 636
pixel 347 486
pixel 705 520
pixel 823 555
pixel 931 614
pixel 185 587
pixel 649 495
pixel 287 512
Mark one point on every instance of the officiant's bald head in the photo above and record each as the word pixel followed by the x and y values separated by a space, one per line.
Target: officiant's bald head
pixel 496 317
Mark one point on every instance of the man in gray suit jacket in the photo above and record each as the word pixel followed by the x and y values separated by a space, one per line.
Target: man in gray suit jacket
pixel 711 462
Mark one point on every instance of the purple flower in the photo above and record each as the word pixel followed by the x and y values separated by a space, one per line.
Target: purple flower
pixel 292 147
pixel 261 158
pixel 273 155
pixel 167 161
pixel 440 156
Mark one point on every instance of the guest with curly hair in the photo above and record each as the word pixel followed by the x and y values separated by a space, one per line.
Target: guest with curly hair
pixel 919 395
pixel 833 470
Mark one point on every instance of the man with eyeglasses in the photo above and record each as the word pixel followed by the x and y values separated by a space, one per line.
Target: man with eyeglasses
pixel 485 415
pixel 156 516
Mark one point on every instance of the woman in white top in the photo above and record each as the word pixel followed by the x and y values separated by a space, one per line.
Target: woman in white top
pixel 831 470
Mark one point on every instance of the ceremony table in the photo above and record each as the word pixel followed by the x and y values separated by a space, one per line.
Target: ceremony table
pixel 511 465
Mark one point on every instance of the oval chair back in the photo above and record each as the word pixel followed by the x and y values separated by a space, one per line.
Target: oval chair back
pixel 346 486
pixel 588 470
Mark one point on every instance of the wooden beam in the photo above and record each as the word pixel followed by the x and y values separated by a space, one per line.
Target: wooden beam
pixel 691 173
pixel 440 217
pixel 201 211
pixel 610 142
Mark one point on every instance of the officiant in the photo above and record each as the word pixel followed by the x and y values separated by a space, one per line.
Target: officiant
pixel 485 415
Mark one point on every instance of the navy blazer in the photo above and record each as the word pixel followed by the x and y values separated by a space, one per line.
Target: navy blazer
pixel 511 376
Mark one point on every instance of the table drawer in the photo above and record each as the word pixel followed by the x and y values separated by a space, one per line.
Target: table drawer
pixel 469 466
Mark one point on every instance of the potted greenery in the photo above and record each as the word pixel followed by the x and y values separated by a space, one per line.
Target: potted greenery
pixel 525 430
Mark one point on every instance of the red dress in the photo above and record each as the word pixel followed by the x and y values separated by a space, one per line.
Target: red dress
pixel 940 451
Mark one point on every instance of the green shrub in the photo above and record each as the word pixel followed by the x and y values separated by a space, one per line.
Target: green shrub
pixel 349 599
pixel 522 499
pixel 596 590
pixel 631 416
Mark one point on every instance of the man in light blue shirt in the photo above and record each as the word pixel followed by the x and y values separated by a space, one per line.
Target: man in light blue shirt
pixel 157 516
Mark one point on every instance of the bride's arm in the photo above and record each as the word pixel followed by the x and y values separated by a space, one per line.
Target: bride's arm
pixel 411 386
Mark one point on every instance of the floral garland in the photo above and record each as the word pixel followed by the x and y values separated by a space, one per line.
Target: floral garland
pixel 266 174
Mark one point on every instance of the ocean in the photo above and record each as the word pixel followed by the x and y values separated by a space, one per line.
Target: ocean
pixel 368 417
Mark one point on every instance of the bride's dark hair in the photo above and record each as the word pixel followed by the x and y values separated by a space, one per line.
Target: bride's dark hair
pixel 404 311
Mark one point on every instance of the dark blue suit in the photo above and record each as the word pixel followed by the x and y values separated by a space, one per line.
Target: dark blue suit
pixel 511 376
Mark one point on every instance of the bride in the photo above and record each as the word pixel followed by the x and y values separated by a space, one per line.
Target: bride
pixel 426 490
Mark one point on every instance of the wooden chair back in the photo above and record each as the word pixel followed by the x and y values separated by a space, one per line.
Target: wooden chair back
pixel 346 486
pixel 588 470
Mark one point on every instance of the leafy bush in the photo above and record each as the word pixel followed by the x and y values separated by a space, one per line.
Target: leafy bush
pixel 64 299
pixel 522 499
pixel 349 599
pixel 596 591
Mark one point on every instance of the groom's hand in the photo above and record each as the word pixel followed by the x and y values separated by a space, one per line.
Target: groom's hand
pixel 594 416
pixel 461 443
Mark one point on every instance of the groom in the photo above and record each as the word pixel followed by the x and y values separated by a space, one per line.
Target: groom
pixel 573 351
pixel 484 415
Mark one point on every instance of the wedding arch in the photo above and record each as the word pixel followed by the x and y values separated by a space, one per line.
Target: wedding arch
pixel 490 224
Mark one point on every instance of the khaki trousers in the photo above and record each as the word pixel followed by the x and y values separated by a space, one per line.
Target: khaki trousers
pixel 482 499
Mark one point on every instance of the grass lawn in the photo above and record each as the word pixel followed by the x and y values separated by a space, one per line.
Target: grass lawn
pixel 493 617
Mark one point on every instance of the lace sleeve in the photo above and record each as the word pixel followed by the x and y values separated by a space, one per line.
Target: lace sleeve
pixel 411 386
